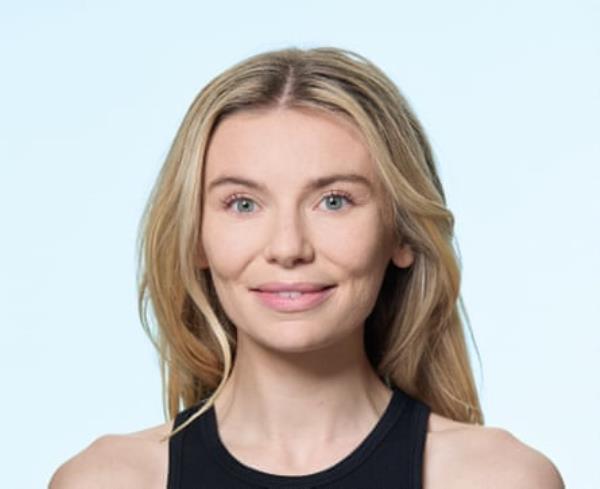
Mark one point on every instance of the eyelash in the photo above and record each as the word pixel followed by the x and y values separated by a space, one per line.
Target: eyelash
pixel 334 193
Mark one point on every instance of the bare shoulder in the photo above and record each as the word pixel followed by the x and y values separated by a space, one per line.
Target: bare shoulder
pixel 133 460
pixel 470 456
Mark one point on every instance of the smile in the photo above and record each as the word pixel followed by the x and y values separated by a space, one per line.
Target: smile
pixel 293 300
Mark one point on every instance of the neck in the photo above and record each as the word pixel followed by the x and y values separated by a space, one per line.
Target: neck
pixel 284 398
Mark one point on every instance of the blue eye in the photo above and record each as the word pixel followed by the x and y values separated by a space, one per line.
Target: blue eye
pixel 242 204
pixel 336 198
pixel 245 205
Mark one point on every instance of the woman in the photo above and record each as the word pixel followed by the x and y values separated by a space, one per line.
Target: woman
pixel 297 255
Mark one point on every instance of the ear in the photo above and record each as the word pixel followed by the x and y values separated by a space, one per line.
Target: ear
pixel 403 256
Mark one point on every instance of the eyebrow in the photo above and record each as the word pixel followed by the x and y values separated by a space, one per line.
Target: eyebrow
pixel 316 183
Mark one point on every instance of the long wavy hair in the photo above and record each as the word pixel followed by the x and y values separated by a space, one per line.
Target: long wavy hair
pixel 414 335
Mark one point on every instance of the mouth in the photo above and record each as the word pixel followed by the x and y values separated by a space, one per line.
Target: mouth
pixel 301 287
pixel 292 290
pixel 293 300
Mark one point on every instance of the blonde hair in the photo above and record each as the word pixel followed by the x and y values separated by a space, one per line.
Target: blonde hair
pixel 414 334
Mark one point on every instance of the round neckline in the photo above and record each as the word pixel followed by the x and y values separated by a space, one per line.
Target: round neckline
pixel 340 468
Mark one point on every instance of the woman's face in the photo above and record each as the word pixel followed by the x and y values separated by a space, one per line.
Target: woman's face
pixel 291 196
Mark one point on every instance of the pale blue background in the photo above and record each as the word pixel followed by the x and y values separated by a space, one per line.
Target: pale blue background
pixel 91 96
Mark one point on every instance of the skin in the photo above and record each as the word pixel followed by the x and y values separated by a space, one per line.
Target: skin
pixel 289 364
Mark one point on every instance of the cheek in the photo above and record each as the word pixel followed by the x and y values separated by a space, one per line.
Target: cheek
pixel 358 248
pixel 361 253
pixel 227 247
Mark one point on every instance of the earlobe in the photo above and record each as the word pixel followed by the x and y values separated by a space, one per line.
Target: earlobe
pixel 403 256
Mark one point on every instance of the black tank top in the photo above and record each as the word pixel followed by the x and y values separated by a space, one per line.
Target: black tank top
pixel 391 456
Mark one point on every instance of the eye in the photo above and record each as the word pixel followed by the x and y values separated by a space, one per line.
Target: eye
pixel 335 199
pixel 243 204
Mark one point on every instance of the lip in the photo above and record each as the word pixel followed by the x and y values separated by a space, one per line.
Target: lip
pixel 305 301
pixel 295 286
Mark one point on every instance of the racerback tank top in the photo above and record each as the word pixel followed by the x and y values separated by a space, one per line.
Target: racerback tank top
pixel 391 455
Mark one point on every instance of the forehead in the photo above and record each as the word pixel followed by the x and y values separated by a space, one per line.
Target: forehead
pixel 300 141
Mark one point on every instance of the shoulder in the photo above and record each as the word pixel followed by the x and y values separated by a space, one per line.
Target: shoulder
pixel 470 456
pixel 133 460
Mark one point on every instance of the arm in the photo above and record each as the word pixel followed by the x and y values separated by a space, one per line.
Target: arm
pixel 102 465
pixel 498 460
pixel 523 467
pixel 468 457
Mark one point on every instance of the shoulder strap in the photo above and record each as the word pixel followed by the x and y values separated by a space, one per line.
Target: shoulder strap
pixel 419 435
pixel 176 448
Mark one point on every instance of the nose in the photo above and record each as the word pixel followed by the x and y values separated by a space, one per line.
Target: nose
pixel 288 242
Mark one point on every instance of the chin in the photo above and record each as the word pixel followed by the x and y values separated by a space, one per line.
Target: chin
pixel 296 341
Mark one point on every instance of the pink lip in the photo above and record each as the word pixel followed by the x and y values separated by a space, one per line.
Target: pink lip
pixel 307 300
pixel 299 286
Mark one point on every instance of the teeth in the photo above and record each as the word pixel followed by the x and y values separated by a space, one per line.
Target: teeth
pixel 290 294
